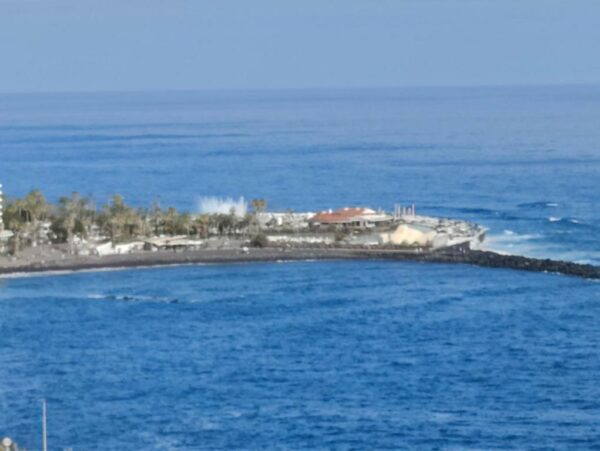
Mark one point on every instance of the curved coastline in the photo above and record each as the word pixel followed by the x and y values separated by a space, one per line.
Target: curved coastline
pixel 459 255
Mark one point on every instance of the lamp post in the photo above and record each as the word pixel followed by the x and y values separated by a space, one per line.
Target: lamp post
pixel 1 210
pixel 44 433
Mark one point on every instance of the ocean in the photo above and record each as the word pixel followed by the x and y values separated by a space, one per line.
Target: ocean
pixel 313 355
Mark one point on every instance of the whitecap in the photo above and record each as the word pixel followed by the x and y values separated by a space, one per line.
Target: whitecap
pixel 512 243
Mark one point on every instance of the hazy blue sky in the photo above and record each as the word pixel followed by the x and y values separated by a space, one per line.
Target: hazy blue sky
pixel 72 45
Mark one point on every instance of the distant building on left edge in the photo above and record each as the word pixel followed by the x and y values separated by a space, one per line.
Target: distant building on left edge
pixel 5 235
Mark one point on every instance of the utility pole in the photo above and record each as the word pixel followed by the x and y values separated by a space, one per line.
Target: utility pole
pixel 44 425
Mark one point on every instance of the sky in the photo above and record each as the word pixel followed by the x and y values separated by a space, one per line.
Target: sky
pixel 140 45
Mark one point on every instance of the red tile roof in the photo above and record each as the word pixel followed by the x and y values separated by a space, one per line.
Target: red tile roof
pixel 341 216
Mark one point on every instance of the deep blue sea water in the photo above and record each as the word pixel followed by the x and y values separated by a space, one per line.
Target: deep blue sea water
pixel 313 355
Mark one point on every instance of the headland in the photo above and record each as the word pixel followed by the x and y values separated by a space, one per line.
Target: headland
pixel 74 236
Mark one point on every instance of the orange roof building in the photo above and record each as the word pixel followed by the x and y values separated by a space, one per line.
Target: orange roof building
pixel 350 216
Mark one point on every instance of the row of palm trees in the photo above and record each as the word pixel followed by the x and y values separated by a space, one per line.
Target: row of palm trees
pixel 77 216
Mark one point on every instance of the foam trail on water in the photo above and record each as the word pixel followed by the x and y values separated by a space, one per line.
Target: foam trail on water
pixel 540 204
pixel 132 298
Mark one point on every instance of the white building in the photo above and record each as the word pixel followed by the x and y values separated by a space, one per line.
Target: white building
pixel 351 217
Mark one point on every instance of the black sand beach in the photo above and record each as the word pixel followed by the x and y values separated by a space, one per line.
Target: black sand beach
pixel 460 255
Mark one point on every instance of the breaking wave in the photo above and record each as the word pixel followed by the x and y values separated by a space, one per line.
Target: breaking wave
pixel 512 243
pixel 219 205
pixel 555 219
pixel 537 246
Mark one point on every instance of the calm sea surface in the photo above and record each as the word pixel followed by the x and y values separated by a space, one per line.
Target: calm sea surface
pixel 313 355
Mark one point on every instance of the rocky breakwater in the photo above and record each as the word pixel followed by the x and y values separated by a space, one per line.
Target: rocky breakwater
pixel 464 254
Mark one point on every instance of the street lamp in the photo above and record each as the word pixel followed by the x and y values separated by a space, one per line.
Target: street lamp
pixel 1 211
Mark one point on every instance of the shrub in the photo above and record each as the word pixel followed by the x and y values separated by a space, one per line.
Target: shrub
pixel 340 235
pixel 259 240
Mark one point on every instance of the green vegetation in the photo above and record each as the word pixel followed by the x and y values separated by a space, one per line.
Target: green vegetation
pixel 33 220
pixel 259 240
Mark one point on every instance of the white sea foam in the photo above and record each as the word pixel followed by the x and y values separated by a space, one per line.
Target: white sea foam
pixel 64 272
pixel 23 275
pixel 535 246
pixel 512 243
pixel 556 219
pixel 581 257
pixel 219 205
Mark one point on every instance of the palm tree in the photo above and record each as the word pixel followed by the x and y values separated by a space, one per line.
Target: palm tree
pixel 185 222
pixel 145 221
pixel 14 218
pixel 244 223
pixel 35 203
pixel 171 221
pixel 259 206
pixel 23 216
pixel 121 220
pixel 224 223
pixel 74 214
pixel 202 225
pixel 156 217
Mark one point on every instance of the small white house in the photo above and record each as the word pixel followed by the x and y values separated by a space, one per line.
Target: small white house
pixel 114 249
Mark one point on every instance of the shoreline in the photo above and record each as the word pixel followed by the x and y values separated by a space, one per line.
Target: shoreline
pixel 145 259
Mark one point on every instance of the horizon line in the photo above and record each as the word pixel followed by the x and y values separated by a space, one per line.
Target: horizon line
pixel 299 89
